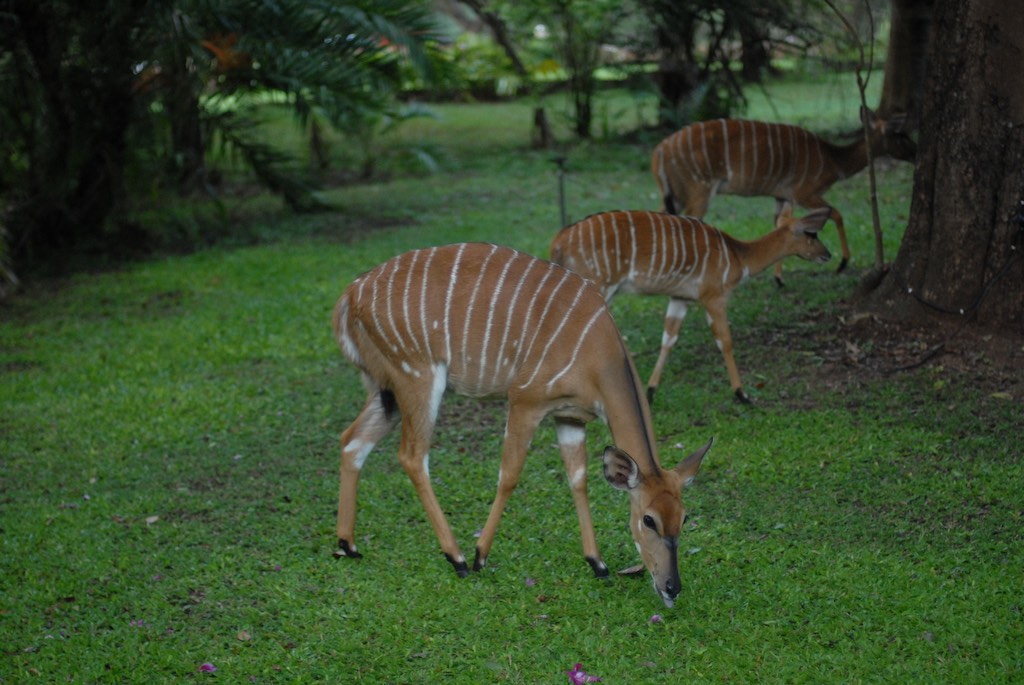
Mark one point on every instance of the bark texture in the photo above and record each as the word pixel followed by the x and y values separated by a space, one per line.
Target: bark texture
pixel 962 248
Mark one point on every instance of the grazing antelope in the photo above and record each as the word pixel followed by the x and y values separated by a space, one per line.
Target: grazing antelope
pixel 663 254
pixel 486 321
pixel 754 158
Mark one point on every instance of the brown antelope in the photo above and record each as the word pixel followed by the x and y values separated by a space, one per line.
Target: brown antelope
pixel 663 254
pixel 754 158
pixel 486 321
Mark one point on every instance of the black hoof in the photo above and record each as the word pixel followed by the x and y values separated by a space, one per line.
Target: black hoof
pixel 461 568
pixel 842 265
pixel 650 395
pixel 345 550
pixel 779 282
pixel 479 562
pixel 600 570
pixel 742 397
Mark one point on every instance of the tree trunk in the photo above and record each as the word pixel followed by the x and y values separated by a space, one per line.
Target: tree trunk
pixel 909 37
pixel 961 254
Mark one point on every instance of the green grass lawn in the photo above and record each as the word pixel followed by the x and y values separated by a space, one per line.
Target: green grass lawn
pixel 169 459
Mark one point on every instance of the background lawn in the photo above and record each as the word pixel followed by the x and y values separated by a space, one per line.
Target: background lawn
pixel 168 459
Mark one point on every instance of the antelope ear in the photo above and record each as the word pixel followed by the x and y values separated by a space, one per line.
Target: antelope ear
pixel 813 222
pixel 620 470
pixel 687 468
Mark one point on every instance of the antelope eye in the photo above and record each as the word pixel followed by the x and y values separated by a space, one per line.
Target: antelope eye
pixel 649 522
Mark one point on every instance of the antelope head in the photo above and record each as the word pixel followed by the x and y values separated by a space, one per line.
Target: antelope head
pixel 656 513
pixel 803 232
pixel 889 136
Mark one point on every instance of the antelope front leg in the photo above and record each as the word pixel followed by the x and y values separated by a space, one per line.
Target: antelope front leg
pixel 674 316
pixel 373 423
pixel 779 204
pixel 414 455
pixel 719 323
pixel 519 429
pixel 841 230
pixel 572 441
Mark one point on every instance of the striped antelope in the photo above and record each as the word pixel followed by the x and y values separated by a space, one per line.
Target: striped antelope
pixel 490 321
pixel 754 158
pixel 662 254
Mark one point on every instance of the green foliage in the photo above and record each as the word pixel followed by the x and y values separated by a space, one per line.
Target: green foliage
pixel 95 93
pixel 482 69
pixel 168 471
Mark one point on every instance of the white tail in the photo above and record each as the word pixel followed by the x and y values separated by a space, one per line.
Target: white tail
pixel 754 158
pixel 486 321
pixel 662 254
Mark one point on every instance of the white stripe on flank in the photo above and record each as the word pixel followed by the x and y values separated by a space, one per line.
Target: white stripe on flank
pixel 529 321
pixel 684 228
pixel 604 247
pixel 725 257
pixel 399 341
pixel 664 246
pixel 600 254
pixel 375 306
pixel 543 317
pixel 652 242
pixel 470 310
pixel 405 301
pixel 580 337
pixel 693 156
pixel 695 227
pixel 809 145
pixel 448 303
pixel 423 300
pixel 500 360
pixel 491 310
pixel 566 314
pixel 706 255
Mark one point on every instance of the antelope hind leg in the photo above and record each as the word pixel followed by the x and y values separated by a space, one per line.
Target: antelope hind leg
pixel 377 418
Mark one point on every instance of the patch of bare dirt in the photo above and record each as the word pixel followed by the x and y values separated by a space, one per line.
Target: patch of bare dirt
pixel 859 346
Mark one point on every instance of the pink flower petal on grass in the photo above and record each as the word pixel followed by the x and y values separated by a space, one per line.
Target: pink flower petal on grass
pixel 656 618
pixel 530 582
pixel 577 676
pixel 207 668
